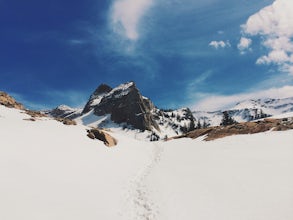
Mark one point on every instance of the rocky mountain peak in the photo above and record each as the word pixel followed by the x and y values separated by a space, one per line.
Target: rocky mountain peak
pixel 102 89
pixel 124 104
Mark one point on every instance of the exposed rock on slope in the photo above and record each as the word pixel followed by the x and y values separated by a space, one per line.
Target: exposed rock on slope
pixel 96 97
pixel 8 101
pixel 102 136
pixel 241 128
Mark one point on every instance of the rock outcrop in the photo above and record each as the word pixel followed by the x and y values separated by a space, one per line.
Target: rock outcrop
pixel 217 132
pixel 9 102
pixel 108 140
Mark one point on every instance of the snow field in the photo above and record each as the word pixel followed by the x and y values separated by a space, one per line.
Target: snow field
pixel 52 171
pixel 235 178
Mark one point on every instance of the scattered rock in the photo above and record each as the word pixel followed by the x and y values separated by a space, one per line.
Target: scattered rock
pixel 29 119
pixel 66 121
pixel 102 136
pixel 35 114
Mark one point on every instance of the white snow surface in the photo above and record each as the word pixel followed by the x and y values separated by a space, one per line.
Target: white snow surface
pixel 52 171
pixel 243 111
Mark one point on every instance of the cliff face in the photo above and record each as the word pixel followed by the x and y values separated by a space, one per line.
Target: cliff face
pixel 124 104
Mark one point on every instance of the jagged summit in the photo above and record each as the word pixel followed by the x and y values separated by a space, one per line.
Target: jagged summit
pixel 124 104
pixel 103 88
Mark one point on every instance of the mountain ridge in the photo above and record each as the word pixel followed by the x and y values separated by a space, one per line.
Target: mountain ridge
pixel 125 106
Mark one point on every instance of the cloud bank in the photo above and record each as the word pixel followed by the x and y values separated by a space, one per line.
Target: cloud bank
pixel 126 15
pixel 274 24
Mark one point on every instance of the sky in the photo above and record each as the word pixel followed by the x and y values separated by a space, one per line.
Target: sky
pixel 204 54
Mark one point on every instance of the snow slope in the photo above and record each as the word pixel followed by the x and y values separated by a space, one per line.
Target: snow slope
pixel 52 171
pixel 248 110
pixel 234 178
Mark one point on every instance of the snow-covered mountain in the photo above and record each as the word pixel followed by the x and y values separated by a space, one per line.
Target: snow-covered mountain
pixel 64 111
pixel 123 107
pixel 247 110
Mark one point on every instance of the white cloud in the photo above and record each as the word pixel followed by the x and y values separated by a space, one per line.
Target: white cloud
pixel 244 43
pixel 126 15
pixel 213 102
pixel 274 24
pixel 219 44
pixel 275 56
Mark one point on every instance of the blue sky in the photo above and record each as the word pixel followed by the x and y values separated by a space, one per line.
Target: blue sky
pixel 204 54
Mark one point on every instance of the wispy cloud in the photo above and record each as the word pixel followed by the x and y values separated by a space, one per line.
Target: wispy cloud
pixel 219 44
pixel 213 102
pixel 126 15
pixel 274 24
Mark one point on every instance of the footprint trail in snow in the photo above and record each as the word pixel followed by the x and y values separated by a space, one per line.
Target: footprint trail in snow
pixel 142 206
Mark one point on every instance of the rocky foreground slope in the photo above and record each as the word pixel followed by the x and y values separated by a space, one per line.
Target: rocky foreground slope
pixel 9 101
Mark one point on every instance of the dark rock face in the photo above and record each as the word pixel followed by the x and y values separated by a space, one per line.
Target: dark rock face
pixel 98 93
pixel 125 104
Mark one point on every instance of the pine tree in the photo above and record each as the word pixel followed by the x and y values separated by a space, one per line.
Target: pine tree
pixel 227 119
pixel 198 125
pixel 191 126
pixel 205 124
